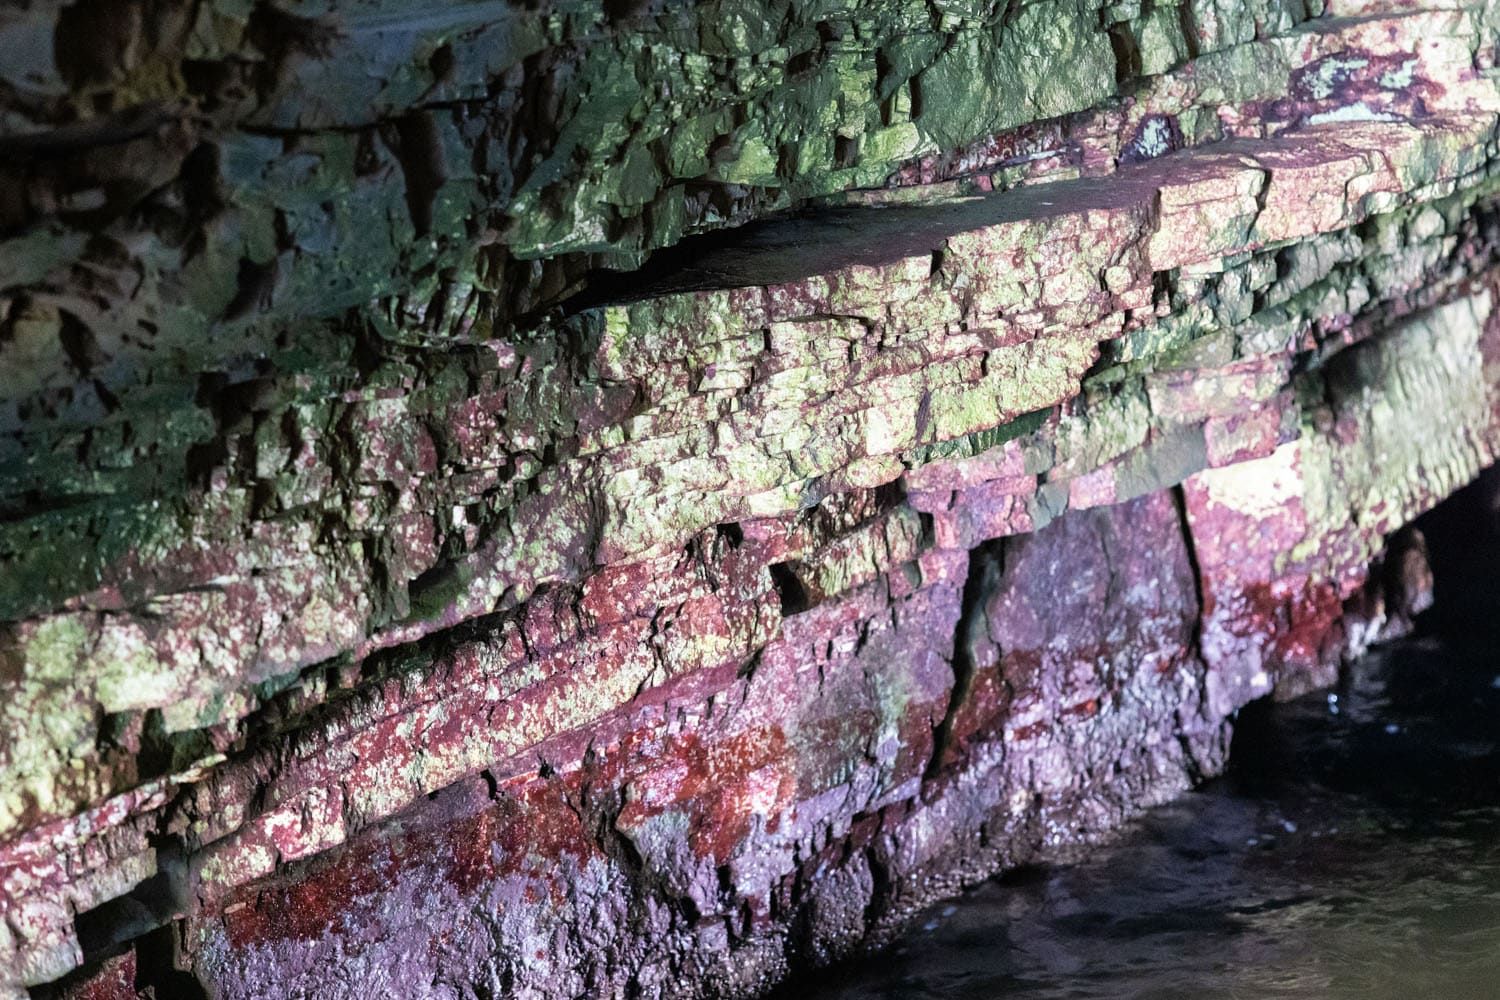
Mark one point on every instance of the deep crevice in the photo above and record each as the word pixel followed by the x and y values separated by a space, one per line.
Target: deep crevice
pixel 157 968
pixel 1190 547
pixel 152 905
pixel 793 593
pixel 986 566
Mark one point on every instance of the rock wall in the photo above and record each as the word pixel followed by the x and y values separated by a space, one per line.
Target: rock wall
pixel 630 499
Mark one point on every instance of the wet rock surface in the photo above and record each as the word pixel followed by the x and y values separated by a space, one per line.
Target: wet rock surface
pixel 1349 853
pixel 407 585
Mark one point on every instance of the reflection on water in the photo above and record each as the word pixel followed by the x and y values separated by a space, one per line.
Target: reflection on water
pixel 1354 852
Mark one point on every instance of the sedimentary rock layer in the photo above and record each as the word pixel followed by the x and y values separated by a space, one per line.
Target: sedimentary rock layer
pixel 766 765
pixel 383 613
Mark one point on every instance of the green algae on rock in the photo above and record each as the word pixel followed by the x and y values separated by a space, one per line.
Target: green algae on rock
pixel 441 475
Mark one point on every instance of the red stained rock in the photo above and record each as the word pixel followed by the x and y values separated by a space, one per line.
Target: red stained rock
pixel 114 979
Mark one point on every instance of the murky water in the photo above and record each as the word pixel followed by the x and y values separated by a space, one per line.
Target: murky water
pixel 1354 852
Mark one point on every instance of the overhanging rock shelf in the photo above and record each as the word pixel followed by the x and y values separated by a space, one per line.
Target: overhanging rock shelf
pixel 392 607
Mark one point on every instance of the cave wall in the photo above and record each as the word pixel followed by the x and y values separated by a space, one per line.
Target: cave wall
pixel 569 499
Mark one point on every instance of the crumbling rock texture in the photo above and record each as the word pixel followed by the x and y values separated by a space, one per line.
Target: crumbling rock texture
pixel 635 499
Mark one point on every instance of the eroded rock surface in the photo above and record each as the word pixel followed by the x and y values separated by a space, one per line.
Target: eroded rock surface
pixel 460 540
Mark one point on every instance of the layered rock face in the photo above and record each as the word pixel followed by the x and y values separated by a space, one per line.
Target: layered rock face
pixel 565 500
